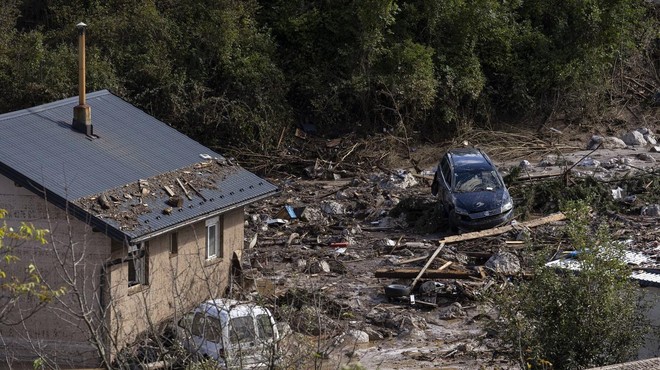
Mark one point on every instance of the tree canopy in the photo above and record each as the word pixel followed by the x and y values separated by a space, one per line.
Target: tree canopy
pixel 241 72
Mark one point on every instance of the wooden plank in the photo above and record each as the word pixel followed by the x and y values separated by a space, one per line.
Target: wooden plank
pixel 196 191
pixel 447 264
pixel 503 229
pixel 431 274
pixel 396 245
pixel 411 260
pixel 421 272
pixel 169 191
pixel 184 189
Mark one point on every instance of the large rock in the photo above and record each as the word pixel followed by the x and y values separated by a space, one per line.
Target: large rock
pixel 358 336
pixel 453 311
pixel 505 263
pixel 607 142
pixel 634 138
pixel 611 142
pixel 653 210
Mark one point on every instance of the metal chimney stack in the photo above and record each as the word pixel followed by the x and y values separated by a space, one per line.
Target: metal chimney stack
pixel 82 113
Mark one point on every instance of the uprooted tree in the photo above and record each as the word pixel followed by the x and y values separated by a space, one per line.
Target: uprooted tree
pixel 571 319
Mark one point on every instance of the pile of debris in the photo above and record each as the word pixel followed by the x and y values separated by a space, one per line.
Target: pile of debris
pixel 345 261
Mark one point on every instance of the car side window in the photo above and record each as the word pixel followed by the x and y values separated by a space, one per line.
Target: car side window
pixel 197 328
pixel 446 171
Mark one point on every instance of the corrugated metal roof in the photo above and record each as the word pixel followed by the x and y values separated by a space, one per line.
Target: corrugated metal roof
pixel 39 150
pixel 647 364
pixel 647 278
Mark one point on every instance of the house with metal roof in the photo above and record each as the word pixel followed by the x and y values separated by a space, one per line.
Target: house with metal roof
pixel 143 222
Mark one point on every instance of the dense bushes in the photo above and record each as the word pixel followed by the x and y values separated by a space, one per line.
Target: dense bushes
pixel 241 72
pixel 563 319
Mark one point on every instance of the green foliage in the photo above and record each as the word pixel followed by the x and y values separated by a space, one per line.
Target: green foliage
pixel 575 319
pixel 242 72
pixel 548 196
pixel 21 285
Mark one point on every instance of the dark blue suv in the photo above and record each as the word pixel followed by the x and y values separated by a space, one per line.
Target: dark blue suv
pixel 471 190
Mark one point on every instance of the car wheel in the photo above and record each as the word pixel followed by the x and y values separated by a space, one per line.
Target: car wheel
pixel 397 290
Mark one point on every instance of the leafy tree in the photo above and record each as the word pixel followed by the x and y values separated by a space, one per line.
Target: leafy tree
pixel 18 286
pixel 576 319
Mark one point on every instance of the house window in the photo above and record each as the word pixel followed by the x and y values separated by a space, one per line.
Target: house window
pixel 174 242
pixel 214 247
pixel 138 264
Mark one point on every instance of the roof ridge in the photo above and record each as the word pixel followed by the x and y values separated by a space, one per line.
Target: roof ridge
pixel 47 106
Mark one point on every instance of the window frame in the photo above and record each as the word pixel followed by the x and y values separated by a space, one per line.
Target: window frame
pixel 213 251
pixel 174 243
pixel 139 273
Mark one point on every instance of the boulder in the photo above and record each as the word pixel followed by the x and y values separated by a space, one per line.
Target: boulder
pixel 646 157
pixel 505 263
pixel 358 336
pixel 611 142
pixel 653 210
pixel 453 311
pixel 634 138
pixel 607 142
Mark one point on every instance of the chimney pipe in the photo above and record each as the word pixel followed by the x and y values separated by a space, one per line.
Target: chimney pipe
pixel 82 113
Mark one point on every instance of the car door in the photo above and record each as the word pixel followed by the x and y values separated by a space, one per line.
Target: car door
pixel 245 347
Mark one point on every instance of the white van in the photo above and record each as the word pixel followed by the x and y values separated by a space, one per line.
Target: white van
pixel 237 335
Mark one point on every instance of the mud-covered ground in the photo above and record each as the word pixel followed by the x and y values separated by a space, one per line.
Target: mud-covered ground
pixel 312 252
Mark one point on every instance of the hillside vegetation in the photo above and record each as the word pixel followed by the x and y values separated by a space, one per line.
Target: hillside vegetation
pixel 246 72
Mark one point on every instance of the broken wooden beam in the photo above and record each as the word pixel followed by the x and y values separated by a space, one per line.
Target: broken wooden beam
pixel 185 191
pixel 503 229
pixel 428 263
pixel 411 260
pixel 169 191
pixel 431 274
pixel 196 191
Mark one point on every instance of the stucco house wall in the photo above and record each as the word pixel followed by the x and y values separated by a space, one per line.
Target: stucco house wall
pixel 176 281
pixel 56 330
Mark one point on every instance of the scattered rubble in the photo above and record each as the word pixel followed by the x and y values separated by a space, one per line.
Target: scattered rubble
pixel 348 234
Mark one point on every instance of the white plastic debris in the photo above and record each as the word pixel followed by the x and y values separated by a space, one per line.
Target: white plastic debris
pixel 589 162
pixel 617 193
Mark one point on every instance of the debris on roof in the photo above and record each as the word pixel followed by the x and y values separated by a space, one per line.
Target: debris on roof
pixel 158 195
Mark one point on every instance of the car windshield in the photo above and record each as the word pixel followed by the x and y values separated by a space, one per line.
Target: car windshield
pixel 476 180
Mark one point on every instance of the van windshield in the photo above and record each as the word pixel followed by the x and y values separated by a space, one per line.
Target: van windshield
pixel 265 327
pixel 241 329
